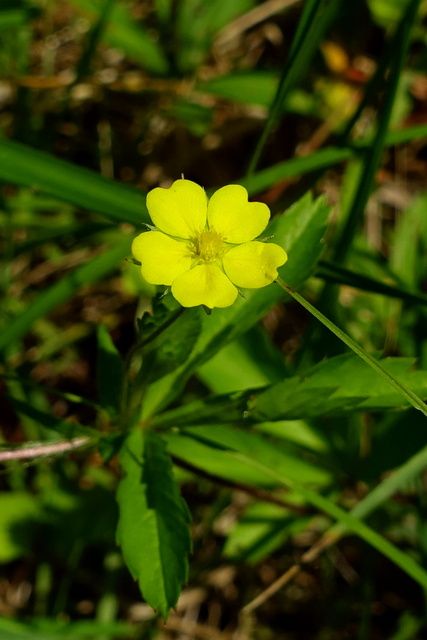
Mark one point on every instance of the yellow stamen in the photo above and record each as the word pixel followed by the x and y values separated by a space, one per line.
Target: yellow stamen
pixel 208 246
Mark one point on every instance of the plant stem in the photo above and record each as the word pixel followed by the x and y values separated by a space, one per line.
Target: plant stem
pixel 130 398
pixel 42 449
pixel 407 393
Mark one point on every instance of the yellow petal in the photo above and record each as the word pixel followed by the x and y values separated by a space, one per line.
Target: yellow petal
pixel 238 220
pixel 162 258
pixel 205 284
pixel 254 264
pixel 179 211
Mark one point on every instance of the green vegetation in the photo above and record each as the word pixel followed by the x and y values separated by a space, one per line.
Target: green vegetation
pixel 254 471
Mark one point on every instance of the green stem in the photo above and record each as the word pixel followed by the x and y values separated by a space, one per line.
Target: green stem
pixel 315 20
pixel 410 396
pixel 130 398
pixel 373 155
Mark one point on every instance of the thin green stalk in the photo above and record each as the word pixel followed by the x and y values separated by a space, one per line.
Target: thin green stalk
pixel 409 395
pixel 345 519
pixel 132 392
pixel 322 159
pixel 373 154
pixel 316 18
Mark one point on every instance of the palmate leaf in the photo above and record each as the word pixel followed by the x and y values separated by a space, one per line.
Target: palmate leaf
pixel 153 524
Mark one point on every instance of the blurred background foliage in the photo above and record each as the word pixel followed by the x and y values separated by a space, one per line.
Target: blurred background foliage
pixel 101 101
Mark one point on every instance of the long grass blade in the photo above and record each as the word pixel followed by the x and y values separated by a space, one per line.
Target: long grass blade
pixel 373 154
pixel 316 18
pixel 339 275
pixel 20 164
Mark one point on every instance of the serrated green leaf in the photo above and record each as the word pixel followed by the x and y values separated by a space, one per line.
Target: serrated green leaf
pixel 337 386
pixel 153 525
pixel 109 372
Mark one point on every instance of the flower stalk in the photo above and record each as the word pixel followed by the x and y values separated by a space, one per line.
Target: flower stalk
pixel 407 393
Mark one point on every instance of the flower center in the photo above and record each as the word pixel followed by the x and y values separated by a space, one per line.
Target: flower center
pixel 208 246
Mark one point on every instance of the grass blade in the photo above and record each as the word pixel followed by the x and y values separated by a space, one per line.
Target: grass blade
pixel 373 154
pixel 316 18
pixel 347 520
pixel 339 275
pixel 20 164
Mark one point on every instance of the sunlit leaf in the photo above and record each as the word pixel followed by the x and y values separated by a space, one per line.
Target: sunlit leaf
pixel 153 526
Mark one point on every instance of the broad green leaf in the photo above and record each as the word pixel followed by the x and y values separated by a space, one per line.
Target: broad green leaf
pixel 128 35
pixel 210 449
pixel 109 372
pixel 62 291
pixel 153 525
pixel 300 231
pixel 302 433
pixel 164 10
pixel 20 164
pixel 19 512
pixel 336 386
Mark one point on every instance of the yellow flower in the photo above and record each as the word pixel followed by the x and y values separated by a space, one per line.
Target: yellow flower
pixel 204 250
